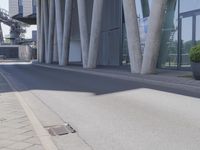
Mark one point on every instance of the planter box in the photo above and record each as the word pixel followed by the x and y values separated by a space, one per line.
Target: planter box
pixel 196 70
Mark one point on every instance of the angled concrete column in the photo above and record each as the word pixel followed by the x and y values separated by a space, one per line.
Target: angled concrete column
pixel 66 32
pixel 59 28
pixel 133 35
pixel 84 34
pixel 38 29
pixel 42 36
pixel 51 31
pixel 152 45
pixel 46 25
pixel 55 47
pixel 95 33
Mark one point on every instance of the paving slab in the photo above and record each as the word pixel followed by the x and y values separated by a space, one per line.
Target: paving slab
pixel 16 131
pixel 113 114
pixel 44 116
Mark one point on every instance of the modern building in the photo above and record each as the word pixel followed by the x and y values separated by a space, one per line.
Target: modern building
pixel 93 32
pixel 23 10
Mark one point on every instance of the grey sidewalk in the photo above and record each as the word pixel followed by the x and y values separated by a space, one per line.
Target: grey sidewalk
pixel 167 78
pixel 16 132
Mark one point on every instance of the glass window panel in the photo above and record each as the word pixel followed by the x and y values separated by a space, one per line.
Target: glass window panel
pixel 188 5
pixel 186 41
pixel 140 8
pixel 198 29
pixel 143 29
pixel 169 42
pixel 125 55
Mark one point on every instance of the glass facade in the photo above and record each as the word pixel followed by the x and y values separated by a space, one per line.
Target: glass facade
pixel 169 42
pixel 198 29
pixel 180 31
pixel 124 54
pixel 189 5
pixel 186 42
pixel 143 14
pixel 189 29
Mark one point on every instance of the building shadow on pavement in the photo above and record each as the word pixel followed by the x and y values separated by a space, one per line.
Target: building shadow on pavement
pixel 30 77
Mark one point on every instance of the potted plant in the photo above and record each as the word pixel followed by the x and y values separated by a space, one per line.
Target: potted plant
pixel 195 61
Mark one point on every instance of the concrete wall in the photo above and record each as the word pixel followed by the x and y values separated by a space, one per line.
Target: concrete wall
pixel 25 53
pixel 21 52
pixel 28 8
pixel 13 8
pixel 34 35
pixel 75 45
pixel 109 51
pixel 111 42
pixel 26 12
pixel 9 52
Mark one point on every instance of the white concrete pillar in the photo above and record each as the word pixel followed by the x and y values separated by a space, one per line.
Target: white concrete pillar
pixel 95 33
pixel 59 28
pixel 42 36
pixel 38 29
pixel 55 47
pixel 46 25
pixel 84 34
pixel 51 31
pixel 66 32
pixel 152 45
pixel 133 35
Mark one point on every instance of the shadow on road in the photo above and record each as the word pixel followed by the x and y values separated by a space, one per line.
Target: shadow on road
pixel 30 77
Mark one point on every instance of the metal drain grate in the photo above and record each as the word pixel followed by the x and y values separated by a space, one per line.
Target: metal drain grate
pixel 61 130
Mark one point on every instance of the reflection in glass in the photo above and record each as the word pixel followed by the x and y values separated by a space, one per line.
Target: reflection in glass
pixel 142 13
pixel 186 41
pixel 188 5
pixel 125 55
pixel 198 29
pixel 143 8
pixel 169 41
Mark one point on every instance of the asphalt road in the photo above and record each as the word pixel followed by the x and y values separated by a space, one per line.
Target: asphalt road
pixel 114 114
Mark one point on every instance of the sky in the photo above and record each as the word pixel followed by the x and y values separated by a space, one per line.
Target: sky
pixel 6 29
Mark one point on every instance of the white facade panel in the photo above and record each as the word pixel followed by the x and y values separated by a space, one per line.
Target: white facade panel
pixel 13 7
pixel 28 8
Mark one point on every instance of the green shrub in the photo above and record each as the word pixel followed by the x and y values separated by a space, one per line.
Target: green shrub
pixel 195 53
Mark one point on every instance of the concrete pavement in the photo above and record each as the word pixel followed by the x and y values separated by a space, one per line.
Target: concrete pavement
pixel 16 131
pixel 177 81
pixel 29 131
pixel 115 114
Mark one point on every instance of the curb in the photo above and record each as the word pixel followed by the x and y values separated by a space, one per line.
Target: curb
pixel 181 86
pixel 42 134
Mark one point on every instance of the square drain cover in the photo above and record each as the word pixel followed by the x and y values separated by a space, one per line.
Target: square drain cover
pixel 60 130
